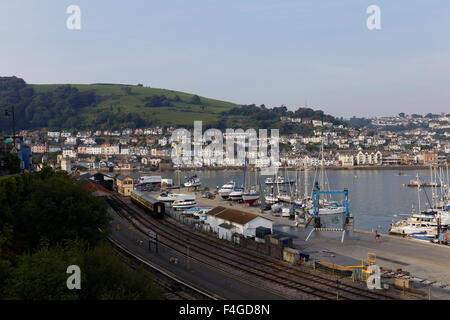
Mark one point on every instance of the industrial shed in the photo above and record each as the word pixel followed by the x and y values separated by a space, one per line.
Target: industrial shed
pixel 226 222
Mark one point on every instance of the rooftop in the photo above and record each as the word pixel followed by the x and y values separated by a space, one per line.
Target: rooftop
pixel 232 215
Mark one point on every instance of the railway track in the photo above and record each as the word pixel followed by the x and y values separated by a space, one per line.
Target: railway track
pixel 174 289
pixel 298 272
pixel 172 292
pixel 288 279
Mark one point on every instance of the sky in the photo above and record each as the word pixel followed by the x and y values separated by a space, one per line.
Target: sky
pixel 293 52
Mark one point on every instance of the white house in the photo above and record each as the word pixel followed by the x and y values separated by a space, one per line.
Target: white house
pixel 69 153
pixel 71 141
pixel 226 222
pixel 54 134
pixel 346 159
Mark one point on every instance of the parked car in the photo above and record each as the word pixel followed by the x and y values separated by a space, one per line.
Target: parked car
pixel 208 195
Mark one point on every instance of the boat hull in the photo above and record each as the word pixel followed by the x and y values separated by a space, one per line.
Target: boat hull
pixel 250 198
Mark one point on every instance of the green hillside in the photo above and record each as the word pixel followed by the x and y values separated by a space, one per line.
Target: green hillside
pixel 118 106
pixel 115 98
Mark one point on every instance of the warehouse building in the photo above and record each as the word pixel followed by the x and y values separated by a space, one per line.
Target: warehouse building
pixel 226 222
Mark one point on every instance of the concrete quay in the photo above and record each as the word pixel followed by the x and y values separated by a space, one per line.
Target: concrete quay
pixel 427 263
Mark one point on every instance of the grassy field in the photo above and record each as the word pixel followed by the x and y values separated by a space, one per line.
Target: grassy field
pixel 114 96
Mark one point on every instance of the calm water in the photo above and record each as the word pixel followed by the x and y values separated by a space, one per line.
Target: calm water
pixel 376 197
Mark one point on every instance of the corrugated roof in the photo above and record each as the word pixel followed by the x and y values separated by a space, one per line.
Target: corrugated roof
pixel 216 210
pixel 232 215
pixel 236 216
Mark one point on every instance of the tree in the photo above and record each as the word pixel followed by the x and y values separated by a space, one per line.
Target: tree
pixel 9 163
pixel 195 99
pixel 402 115
pixel 42 275
pixel 49 205
pixel 127 90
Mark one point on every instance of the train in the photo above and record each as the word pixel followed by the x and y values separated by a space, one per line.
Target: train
pixel 156 208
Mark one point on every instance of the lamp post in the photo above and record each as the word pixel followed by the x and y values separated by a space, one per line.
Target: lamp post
pixel 7 114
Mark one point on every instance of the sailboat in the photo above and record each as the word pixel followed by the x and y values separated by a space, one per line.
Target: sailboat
pixel 252 194
pixel 326 206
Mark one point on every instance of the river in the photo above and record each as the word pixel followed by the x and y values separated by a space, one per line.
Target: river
pixel 376 197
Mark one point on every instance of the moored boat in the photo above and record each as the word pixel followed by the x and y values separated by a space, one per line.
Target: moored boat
pixel 184 202
pixel 226 189
pixel 236 194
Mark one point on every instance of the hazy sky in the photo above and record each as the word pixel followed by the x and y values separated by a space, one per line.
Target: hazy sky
pixel 243 51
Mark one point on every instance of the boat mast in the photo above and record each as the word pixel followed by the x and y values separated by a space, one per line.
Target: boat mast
pixel 418 190
pixel 245 166
pixel 306 181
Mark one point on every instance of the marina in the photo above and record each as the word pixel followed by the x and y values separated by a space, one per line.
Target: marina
pixel 425 264
pixel 389 200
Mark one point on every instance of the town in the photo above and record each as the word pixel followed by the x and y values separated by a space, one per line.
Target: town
pixel 386 141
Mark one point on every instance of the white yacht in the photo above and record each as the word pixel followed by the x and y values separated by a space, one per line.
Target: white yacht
pixel 417 223
pixel 278 180
pixel 236 194
pixel 193 181
pixel 271 198
pixel 285 197
pixel 226 189
pixel 184 202
pixel 170 197
pixel 332 208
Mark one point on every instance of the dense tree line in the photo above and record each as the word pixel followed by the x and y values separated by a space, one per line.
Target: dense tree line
pixel 264 113
pixel 359 122
pixel 48 222
pixel 58 108
pixel 252 116
pixel 156 101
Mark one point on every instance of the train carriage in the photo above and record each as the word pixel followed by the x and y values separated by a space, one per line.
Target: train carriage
pixel 156 208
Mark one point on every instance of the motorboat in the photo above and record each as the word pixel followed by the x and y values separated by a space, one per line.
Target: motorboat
pixel 192 182
pixel 421 183
pixel 278 180
pixel 271 198
pixel 184 202
pixel 170 197
pixel 236 194
pixel 285 197
pixel 417 223
pixel 332 208
pixel 226 189
pixel 422 236
pixel 198 211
